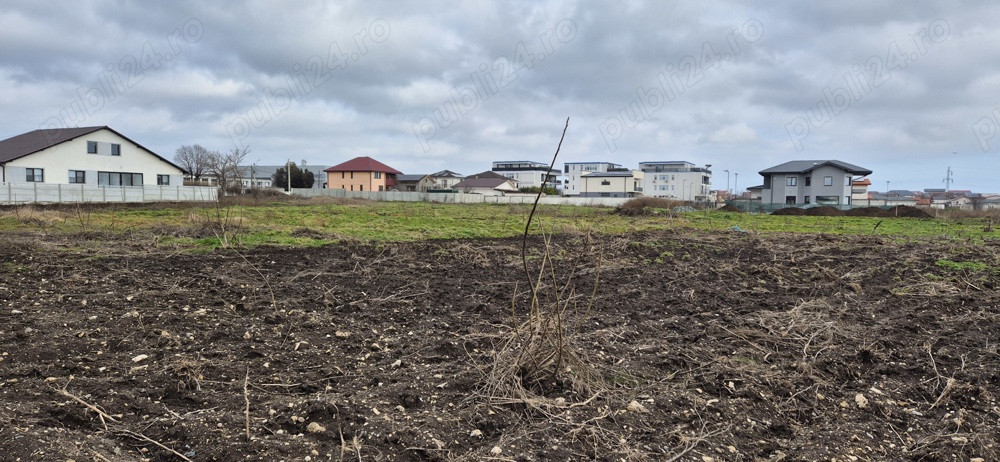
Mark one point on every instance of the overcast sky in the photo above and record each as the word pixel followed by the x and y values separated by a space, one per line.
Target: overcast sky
pixel 906 88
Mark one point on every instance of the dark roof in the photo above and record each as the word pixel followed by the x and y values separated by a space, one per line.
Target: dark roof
pixel 487 174
pixel 756 187
pixel 803 166
pixel 362 164
pixel 38 140
pixel 446 174
pixel 481 182
pixel 406 178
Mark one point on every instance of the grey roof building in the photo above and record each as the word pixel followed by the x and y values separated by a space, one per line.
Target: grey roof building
pixel 824 182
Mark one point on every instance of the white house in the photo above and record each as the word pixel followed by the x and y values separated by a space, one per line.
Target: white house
pixel 527 174
pixel 676 179
pixel 492 186
pixel 83 155
pixel 612 184
pixel 574 170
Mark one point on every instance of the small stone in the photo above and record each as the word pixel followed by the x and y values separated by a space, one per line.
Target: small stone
pixel 861 401
pixel 708 459
pixel 496 450
pixel 139 358
pixel 476 433
pixel 634 406
pixel 314 427
pixel 342 334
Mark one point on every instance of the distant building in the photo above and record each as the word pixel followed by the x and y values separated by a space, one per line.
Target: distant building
pixel 443 180
pixel 677 180
pixel 487 186
pixel 526 173
pixel 572 171
pixel 612 184
pixel 824 182
pixel 362 174
pixel 859 190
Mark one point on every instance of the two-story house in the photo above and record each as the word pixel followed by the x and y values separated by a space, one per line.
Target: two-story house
pixel 361 174
pixel 823 182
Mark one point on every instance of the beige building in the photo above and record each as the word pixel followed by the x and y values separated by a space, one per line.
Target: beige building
pixel 612 184
pixel 362 174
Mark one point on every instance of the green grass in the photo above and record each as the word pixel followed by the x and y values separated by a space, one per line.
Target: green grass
pixel 283 224
pixel 962 265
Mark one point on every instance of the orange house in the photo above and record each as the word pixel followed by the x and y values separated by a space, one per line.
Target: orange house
pixel 361 174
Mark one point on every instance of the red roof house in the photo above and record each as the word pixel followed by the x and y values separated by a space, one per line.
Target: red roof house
pixel 362 174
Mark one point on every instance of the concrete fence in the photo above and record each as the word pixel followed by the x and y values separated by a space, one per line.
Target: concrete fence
pixel 459 198
pixel 26 193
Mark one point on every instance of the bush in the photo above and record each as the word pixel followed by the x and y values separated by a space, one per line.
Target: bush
pixel 648 205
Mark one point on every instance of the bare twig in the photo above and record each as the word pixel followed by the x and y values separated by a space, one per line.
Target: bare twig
pixel 103 415
pixel 140 436
pixel 527 226
pixel 246 400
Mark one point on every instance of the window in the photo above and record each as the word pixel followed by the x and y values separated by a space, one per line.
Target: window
pixel 791 181
pixel 77 176
pixel 827 181
pixel 378 175
pixel 605 183
pixel 847 180
pixel 361 187
pixel 92 147
pixel 116 149
pixel 380 188
pixel 605 194
pixel 119 179
pixel 809 182
pixel 807 199
pixel 163 180
pixel 34 175
pixel 789 200
pixel 827 200
pixel 343 175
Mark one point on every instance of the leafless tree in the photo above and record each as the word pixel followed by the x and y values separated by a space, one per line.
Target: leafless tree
pixel 193 159
pixel 226 167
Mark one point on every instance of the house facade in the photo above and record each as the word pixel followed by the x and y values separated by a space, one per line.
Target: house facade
pixel 612 184
pixel 573 171
pixel 676 180
pixel 527 174
pixel 488 186
pixel 96 156
pixel 362 174
pixel 823 182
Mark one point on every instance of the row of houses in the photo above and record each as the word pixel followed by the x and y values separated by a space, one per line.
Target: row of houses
pixel 102 156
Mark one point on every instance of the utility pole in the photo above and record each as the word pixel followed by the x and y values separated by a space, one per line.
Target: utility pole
pixel 736 182
pixel 727 181
pixel 948 180
pixel 886 187
pixel 288 175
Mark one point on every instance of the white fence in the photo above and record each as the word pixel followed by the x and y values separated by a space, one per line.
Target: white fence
pixel 24 193
pixel 459 198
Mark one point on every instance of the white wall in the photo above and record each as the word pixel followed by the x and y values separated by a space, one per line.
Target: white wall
pixel 24 193
pixel 460 198
pixel 58 160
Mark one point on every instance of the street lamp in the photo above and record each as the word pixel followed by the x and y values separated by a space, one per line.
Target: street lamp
pixel 727 181
pixel 736 182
